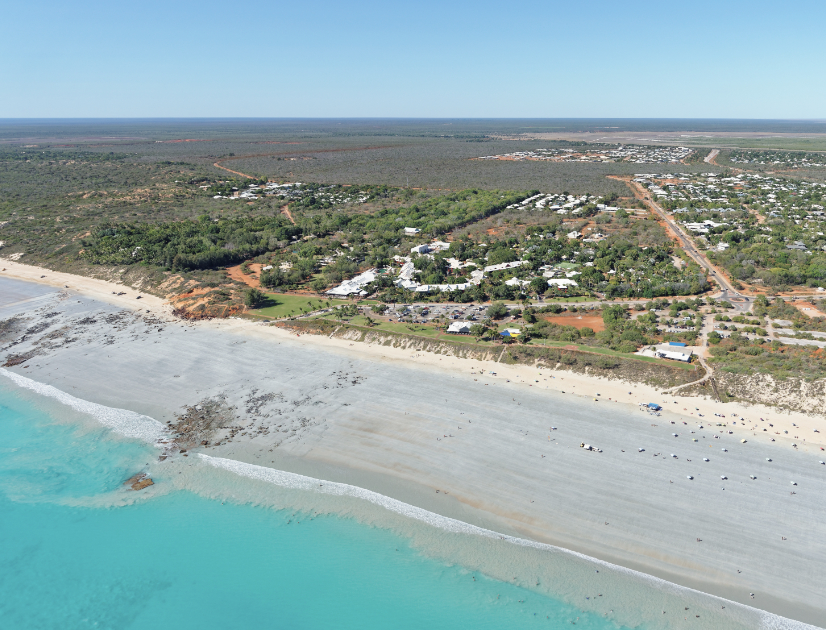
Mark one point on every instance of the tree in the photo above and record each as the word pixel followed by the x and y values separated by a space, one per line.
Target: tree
pixel 497 310
pixel 539 285
pixel 254 298
pixel 318 285
pixel 614 316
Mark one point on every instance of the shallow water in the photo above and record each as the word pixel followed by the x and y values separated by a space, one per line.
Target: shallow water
pixel 216 545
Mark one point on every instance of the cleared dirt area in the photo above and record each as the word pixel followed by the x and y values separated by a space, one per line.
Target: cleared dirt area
pixel 807 308
pixel 249 279
pixel 594 322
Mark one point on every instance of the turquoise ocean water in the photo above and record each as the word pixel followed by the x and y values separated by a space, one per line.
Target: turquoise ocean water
pixel 205 548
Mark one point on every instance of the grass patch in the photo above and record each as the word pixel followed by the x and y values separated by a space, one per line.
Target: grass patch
pixel 431 332
pixel 280 305
pixel 613 353
pixel 399 328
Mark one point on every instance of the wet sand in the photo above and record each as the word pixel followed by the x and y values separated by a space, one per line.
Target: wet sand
pixel 444 434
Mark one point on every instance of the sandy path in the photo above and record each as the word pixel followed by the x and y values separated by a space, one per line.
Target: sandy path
pixel 218 165
pixel 286 212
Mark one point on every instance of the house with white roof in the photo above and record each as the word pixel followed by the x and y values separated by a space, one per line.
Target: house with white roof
pixel 562 283
pixel 354 285
pixel 507 265
pixel 459 328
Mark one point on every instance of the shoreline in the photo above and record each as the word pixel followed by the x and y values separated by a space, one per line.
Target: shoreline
pixel 610 391
pixel 391 443
pixel 704 601
pixel 616 390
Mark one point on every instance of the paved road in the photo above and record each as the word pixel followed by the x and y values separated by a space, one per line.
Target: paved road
pixel 728 292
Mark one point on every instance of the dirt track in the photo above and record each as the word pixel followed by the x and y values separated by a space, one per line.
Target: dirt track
pixel 286 212
pixel 218 165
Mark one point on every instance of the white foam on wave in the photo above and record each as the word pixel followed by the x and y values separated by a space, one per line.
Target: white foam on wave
pixel 294 481
pixel 127 423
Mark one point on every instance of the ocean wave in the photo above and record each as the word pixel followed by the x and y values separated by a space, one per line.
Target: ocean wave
pixel 127 423
pixel 295 481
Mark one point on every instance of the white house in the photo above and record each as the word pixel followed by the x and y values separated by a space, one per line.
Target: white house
pixel 354 285
pixel 674 356
pixel 459 328
pixel 507 265
pixel 562 283
pixel 477 276
pixel 444 288
pixel 411 231
pixel 420 249
pixel 703 227
pixel 407 271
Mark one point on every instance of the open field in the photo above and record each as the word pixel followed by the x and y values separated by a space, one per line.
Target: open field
pixel 579 321
pixel 280 305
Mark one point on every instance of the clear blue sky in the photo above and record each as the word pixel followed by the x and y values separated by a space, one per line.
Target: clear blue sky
pixel 319 58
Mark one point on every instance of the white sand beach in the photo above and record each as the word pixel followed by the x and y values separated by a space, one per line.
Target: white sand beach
pixel 498 450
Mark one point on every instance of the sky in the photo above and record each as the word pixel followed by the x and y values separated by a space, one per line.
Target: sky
pixel 319 58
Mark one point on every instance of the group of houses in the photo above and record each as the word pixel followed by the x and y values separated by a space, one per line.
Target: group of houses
pixel 635 154
pixel 406 277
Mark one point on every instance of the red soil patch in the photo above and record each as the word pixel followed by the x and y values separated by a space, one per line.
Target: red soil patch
pixel 218 165
pixel 594 322
pixel 249 279
pixel 286 212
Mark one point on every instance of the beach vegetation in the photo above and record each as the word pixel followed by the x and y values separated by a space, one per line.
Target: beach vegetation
pixel 254 298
